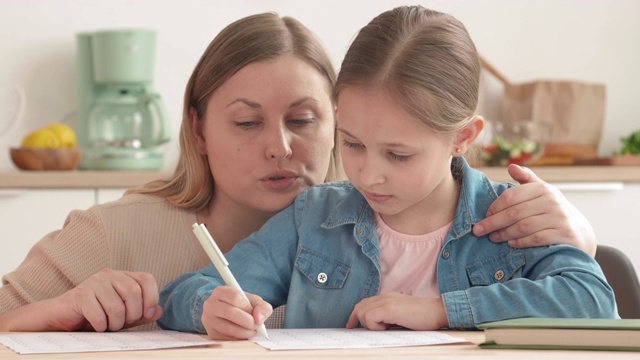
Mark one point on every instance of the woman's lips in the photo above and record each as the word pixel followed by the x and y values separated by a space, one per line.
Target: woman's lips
pixel 279 180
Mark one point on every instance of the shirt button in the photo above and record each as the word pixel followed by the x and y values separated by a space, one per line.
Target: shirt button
pixel 361 231
pixel 445 254
pixel 322 278
pixel 499 275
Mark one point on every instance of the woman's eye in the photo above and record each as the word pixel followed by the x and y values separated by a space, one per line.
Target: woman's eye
pixel 301 121
pixel 246 124
pixel 351 145
pixel 398 157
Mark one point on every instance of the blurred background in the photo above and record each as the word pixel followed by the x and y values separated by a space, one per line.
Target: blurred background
pixel 587 40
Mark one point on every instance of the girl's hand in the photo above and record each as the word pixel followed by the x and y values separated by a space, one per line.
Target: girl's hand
pixel 535 214
pixel 394 309
pixel 226 315
pixel 109 300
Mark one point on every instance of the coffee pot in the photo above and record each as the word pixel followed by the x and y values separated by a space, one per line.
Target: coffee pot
pixel 122 119
pixel 126 127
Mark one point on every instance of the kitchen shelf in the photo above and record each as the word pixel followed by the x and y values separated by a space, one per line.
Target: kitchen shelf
pixel 574 174
pixel 126 179
pixel 77 179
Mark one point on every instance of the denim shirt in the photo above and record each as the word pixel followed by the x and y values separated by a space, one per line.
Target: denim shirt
pixel 320 256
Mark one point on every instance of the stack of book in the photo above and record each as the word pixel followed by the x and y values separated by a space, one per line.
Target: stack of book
pixel 562 333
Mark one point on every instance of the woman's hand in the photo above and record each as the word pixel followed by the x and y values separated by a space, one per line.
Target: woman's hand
pixel 226 315
pixel 394 309
pixel 534 214
pixel 109 300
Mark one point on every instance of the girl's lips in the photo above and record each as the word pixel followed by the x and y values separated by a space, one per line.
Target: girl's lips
pixel 376 197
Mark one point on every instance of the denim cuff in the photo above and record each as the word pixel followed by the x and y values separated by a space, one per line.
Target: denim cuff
pixel 197 309
pixel 458 308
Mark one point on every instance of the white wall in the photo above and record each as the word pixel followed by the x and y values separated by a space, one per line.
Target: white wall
pixel 590 40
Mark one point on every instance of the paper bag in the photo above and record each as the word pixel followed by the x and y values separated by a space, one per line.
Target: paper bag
pixel 576 109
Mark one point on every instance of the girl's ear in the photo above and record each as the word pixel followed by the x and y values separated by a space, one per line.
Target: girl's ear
pixel 466 136
pixel 197 130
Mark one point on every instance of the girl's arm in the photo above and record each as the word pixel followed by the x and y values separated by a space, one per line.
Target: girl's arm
pixel 558 281
pixel 534 214
pixel 554 281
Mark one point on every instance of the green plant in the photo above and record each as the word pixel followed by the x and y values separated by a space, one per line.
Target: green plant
pixel 631 144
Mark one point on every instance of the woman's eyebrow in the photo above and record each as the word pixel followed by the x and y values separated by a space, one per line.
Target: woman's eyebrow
pixel 250 103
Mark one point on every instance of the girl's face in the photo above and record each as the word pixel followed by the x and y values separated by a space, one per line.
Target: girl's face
pixel 268 133
pixel 401 167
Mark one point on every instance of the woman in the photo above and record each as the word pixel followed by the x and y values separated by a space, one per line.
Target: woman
pixel 258 128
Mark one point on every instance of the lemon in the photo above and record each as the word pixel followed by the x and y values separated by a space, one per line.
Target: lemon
pixel 42 138
pixel 65 134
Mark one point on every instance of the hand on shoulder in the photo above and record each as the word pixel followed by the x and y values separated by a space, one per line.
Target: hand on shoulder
pixel 535 213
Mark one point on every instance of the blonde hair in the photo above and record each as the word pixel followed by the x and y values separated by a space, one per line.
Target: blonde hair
pixel 424 59
pixel 251 39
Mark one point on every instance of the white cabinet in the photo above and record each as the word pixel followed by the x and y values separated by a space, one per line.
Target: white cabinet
pixel 106 195
pixel 26 215
pixel 613 209
pixel 34 203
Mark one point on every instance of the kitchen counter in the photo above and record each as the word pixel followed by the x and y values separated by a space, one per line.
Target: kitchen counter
pixel 77 179
pixel 127 179
pixel 573 174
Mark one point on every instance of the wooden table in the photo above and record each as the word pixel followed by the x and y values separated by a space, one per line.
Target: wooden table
pixel 249 351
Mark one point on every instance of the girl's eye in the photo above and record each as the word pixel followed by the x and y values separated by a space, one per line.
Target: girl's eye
pixel 394 156
pixel 351 144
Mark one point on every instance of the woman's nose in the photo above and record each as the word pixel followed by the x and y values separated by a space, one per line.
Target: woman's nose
pixel 278 144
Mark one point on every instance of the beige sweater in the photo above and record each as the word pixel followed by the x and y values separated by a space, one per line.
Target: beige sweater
pixel 135 233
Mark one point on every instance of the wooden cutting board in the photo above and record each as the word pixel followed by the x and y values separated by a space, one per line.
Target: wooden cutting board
pixel 623 160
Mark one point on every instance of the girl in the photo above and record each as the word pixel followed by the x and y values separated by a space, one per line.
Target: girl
pixel 394 246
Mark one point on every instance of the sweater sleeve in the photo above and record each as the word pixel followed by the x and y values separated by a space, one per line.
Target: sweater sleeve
pixel 58 262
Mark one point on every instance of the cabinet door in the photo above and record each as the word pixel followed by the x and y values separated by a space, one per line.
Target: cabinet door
pixel 614 214
pixel 26 215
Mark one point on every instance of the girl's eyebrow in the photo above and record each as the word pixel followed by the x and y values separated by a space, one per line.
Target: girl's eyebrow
pixel 384 144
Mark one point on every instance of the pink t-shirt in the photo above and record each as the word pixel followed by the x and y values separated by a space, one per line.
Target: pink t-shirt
pixel 409 262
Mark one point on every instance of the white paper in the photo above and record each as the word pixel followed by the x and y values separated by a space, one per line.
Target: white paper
pixel 300 339
pixel 71 342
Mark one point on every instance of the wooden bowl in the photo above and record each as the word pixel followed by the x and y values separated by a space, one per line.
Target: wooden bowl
pixel 58 159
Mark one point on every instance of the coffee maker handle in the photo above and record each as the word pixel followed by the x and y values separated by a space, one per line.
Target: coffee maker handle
pixel 155 102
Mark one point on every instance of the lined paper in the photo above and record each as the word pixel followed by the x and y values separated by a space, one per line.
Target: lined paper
pixel 73 342
pixel 300 339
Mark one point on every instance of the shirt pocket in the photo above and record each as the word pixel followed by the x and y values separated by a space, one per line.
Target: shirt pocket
pixel 323 271
pixel 496 269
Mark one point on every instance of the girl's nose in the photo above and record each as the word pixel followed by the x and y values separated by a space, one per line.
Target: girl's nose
pixel 278 144
pixel 371 172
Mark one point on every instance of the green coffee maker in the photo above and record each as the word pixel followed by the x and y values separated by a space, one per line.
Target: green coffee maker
pixel 122 120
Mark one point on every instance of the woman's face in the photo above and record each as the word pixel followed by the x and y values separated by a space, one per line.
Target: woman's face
pixel 268 133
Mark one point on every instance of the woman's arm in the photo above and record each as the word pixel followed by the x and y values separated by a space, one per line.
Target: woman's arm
pixel 65 284
pixel 109 300
pixel 534 214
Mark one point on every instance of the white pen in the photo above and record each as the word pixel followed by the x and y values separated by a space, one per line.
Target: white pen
pixel 220 262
